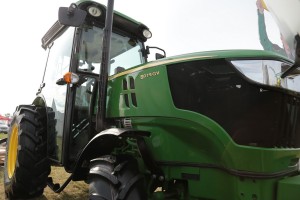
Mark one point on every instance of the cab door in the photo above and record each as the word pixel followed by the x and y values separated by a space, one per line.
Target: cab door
pixel 56 94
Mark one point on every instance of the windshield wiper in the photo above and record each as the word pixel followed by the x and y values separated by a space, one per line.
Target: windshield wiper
pixel 297 58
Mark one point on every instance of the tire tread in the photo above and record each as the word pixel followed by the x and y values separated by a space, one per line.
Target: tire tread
pixel 33 168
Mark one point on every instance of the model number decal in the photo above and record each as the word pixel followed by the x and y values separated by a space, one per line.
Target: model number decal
pixel 143 76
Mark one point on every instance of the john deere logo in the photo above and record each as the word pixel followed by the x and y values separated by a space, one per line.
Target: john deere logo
pixel 143 76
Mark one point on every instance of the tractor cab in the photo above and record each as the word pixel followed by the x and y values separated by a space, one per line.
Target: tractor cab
pixel 71 81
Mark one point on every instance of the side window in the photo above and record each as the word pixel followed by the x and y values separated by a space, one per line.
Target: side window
pixel 55 95
pixel 127 59
pixel 90 50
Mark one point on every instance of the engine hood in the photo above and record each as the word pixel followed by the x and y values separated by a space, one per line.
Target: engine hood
pixel 225 54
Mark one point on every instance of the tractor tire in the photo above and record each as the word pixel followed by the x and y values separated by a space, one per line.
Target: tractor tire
pixel 112 179
pixel 52 147
pixel 26 164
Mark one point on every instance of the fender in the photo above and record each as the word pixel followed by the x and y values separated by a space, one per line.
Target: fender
pixel 102 144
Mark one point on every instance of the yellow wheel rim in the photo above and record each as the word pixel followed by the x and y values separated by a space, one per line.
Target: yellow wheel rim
pixel 12 151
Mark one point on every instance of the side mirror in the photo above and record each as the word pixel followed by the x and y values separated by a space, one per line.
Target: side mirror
pixel 159 56
pixel 72 16
pixel 146 52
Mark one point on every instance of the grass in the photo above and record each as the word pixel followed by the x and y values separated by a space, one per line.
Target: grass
pixel 3 135
pixel 75 190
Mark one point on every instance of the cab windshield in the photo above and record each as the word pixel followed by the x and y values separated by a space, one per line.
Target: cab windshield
pixel 125 51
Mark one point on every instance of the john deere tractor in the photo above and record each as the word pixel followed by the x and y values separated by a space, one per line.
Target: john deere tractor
pixel 222 125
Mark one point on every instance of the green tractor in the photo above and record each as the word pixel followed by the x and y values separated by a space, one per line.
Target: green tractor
pixel 220 125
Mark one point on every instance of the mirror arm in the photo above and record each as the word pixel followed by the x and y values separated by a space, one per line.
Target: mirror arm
pixel 146 51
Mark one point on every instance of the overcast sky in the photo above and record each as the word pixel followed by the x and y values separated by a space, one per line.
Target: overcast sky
pixel 178 26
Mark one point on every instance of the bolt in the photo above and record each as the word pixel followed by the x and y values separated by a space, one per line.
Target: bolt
pixel 161 178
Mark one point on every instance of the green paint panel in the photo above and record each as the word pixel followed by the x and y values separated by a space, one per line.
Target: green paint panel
pixel 289 188
pixel 193 147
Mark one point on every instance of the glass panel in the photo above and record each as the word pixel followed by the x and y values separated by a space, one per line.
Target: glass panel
pixel 55 95
pixel 269 72
pixel 81 118
pixel 128 59
pixel 125 52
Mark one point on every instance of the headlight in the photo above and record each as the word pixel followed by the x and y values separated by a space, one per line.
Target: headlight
pixel 94 11
pixel 147 34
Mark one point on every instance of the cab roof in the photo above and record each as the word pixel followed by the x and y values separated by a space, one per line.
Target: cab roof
pixel 121 24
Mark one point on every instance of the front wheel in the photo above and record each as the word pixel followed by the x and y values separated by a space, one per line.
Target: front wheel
pixel 112 178
pixel 26 165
